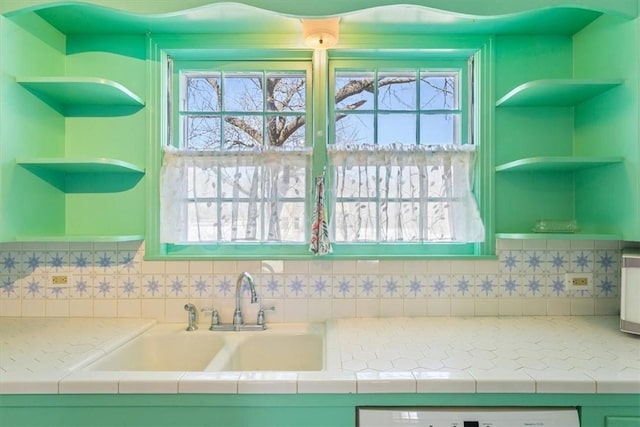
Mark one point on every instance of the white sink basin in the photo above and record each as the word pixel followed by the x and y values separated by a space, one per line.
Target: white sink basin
pixel 168 347
pixel 289 348
pixel 163 348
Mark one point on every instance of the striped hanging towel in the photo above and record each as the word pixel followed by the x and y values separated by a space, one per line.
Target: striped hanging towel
pixel 319 243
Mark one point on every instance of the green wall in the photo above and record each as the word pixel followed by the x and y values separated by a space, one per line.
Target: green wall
pixel 608 126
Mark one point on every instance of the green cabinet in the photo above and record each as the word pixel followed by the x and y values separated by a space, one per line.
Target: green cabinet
pixel 74 134
pixel 622 422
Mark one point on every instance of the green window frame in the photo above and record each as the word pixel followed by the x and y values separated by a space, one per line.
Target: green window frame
pixel 319 134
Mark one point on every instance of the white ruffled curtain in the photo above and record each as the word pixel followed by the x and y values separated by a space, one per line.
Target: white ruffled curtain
pixel 245 195
pixel 400 193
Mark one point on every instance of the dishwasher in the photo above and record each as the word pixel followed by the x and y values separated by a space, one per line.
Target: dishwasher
pixel 466 417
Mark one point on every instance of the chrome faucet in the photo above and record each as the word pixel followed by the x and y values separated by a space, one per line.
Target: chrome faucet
pixel 237 314
pixel 193 317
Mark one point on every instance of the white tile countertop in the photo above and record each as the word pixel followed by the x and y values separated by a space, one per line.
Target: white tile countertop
pixel 581 354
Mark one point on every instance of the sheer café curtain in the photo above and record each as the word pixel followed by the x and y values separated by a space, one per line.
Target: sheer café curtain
pixel 404 193
pixel 228 196
pixel 391 193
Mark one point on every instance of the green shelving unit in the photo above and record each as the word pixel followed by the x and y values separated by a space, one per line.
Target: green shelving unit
pixel 545 186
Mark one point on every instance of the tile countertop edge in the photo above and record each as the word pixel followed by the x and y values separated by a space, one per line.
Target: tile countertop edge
pixel 115 382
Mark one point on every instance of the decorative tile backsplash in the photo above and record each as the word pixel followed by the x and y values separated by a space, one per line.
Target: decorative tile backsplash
pixel 113 280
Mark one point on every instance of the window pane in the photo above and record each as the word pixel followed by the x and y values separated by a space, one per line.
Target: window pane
pixel 438 223
pixel 354 90
pixel 286 92
pixel 438 129
pixel 201 132
pixel 243 92
pixel 202 93
pixel 396 128
pixel 355 221
pixel 203 222
pixel 439 91
pixel 356 182
pixel 399 221
pixel 399 182
pixel 286 131
pixel 397 90
pixel 242 131
pixel 354 129
pixel 292 222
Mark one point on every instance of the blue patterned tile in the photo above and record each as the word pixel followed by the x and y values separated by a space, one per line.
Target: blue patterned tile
pixel 607 285
pixel 271 286
pixel 128 287
pixel 224 286
pixel 439 285
pixel 415 286
pixel 81 261
pixel 558 262
pixel 391 286
pixel 57 291
pixel 9 287
pixel 607 262
pixel 58 261
pixel 10 262
pixel 34 286
pixel 511 286
pixel 462 286
pixel 80 287
pixel 320 286
pixel 200 287
pixel 127 262
pixel 177 286
pixel 510 262
pixel 153 286
pixel 105 262
pixel 104 287
pixel 296 286
pixel 368 286
pixel 582 261
pixel 534 285
pixel 556 286
pixel 344 286
pixel 487 286
pixel 534 262
pixel 34 262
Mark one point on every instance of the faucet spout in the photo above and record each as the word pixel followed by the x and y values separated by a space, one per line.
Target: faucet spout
pixel 237 314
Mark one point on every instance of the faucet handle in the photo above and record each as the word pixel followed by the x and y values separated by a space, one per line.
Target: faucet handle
pixel 261 317
pixel 215 317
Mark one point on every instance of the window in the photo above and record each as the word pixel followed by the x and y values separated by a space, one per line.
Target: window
pixel 402 154
pixel 238 167
pixel 247 143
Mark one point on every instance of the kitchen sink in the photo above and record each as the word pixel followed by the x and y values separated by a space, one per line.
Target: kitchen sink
pixel 168 347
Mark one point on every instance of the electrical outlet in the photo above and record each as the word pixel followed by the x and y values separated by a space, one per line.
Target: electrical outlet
pixel 579 281
pixel 60 279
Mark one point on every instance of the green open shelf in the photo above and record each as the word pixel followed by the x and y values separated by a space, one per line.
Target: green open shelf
pixel 561 163
pixel 74 238
pixel 558 236
pixel 87 175
pixel 65 165
pixel 83 96
pixel 555 92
